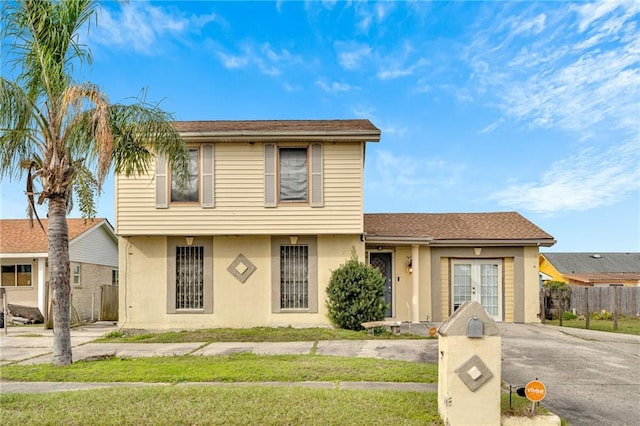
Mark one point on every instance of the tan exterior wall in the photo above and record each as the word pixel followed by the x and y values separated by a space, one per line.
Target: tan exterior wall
pixel 508 279
pixel 239 199
pixel 519 277
pixel 531 285
pixel 143 283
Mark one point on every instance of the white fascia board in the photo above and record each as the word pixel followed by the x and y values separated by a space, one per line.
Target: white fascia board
pixel 22 255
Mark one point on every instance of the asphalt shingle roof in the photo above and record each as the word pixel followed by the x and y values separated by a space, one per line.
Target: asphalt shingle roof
pixel 17 235
pixel 454 226
pixel 577 263
pixel 276 126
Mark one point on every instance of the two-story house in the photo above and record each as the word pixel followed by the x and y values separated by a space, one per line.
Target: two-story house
pixel 272 207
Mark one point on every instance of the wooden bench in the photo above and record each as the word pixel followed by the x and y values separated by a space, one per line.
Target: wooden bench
pixel 394 326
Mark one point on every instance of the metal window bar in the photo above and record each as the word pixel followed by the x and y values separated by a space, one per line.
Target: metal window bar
pixel 294 277
pixel 189 277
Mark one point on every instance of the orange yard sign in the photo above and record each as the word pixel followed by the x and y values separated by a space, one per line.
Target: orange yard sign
pixel 535 391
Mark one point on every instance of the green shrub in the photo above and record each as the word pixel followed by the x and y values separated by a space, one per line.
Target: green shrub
pixel 556 285
pixel 354 295
pixel 567 315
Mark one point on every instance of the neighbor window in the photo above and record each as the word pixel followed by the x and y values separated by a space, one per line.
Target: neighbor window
pixel 114 277
pixel 191 191
pixel 75 274
pixel 190 275
pixel 294 274
pixel 16 275
pixel 293 180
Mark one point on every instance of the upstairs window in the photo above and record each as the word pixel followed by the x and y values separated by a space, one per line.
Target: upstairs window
pixel 190 193
pixel 293 180
pixel 293 175
pixel 198 189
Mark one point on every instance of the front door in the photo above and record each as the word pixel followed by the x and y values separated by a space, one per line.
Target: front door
pixel 382 261
pixel 479 280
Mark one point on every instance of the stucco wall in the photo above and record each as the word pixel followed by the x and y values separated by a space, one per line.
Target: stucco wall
pixel 23 295
pixel 143 283
pixel 519 276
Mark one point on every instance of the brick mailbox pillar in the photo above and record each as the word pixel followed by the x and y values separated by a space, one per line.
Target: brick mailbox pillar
pixel 469 351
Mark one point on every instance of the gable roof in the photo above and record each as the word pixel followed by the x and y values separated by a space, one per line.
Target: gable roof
pixel 596 267
pixel 271 130
pixel 594 262
pixel 17 235
pixel 500 228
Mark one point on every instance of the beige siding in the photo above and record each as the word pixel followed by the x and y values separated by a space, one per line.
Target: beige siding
pixel 239 204
pixel 509 300
pixel 444 288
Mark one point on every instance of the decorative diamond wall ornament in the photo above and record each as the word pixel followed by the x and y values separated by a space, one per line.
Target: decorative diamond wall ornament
pixel 474 373
pixel 241 268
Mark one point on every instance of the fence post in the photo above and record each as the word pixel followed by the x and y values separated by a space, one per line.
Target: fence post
pixel 586 316
pixel 616 307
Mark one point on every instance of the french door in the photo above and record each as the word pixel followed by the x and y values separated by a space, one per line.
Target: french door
pixel 478 280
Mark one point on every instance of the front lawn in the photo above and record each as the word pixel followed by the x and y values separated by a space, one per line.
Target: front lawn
pixel 200 405
pixel 626 324
pixel 256 334
pixel 246 367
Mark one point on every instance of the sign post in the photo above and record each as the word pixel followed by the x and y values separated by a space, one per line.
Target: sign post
pixel 535 391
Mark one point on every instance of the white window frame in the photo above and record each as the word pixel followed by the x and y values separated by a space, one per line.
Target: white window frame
pixel 205 178
pixel 476 289
pixel 15 275
pixel 76 274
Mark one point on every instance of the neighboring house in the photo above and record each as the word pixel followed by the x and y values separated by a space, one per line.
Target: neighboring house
pixel 272 207
pixel 93 255
pixel 592 269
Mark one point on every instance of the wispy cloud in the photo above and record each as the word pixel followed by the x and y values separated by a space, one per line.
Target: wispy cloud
pixel 592 178
pixel 334 87
pixel 579 83
pixel 269 60
pixel 139 26
pixel 352 55
pixel 405 176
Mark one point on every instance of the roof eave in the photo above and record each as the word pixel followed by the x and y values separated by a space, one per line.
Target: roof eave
pixel 264 136
pixel 397 240
pixel 494 242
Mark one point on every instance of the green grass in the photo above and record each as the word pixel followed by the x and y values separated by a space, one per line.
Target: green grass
pixel 626 325
pixel 191 405
pixel 256 334
pixel 244 367
pixel 518 406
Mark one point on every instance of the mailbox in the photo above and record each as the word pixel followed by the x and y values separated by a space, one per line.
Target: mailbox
pixel 475 328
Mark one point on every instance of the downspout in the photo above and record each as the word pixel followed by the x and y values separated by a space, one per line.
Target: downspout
pixel 42 262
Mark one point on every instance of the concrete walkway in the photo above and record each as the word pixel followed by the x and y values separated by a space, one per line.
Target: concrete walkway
pixel 31 345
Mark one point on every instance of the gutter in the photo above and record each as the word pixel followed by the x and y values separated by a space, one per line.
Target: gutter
pixel 251 136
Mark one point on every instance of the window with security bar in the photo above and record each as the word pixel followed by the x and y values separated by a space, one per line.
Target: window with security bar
pixel 294 277
pixel 189 277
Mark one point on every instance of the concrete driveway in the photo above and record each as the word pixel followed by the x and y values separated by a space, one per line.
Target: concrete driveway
pixel 592 377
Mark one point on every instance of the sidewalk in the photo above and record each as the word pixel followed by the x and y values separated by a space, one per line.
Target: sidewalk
pixel 31 345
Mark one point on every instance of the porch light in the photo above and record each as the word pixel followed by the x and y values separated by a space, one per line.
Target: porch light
pixel 189 240
pixel 409 265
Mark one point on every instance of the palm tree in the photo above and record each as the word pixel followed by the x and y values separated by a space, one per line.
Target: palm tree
pixel 66 136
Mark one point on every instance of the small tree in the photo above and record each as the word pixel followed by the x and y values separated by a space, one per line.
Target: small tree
pixel 560 293
pixel 355 294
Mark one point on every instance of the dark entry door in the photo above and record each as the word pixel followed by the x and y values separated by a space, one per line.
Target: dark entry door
pixel 382 261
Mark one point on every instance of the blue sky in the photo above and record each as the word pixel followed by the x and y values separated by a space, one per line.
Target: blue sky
pixel 498 106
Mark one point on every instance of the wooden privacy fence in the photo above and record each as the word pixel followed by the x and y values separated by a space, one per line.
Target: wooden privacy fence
pixel 109 303
pixel 605 298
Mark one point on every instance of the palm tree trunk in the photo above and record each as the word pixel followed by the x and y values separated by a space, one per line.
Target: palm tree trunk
pixel 59 273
